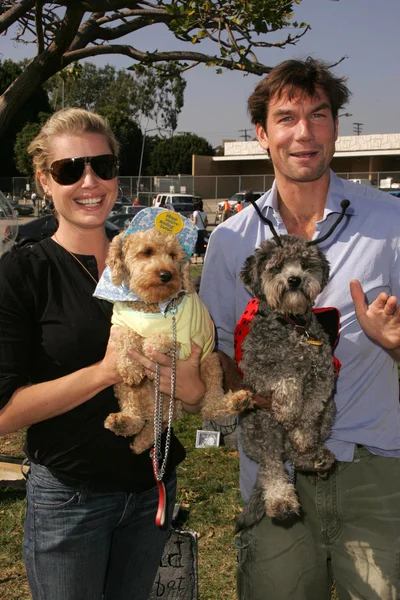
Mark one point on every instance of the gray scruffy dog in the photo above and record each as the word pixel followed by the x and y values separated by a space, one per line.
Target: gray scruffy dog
pixel 287 356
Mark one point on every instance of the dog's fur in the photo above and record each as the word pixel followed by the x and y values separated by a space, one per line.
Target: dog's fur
pixel 152 265
pixel 279 363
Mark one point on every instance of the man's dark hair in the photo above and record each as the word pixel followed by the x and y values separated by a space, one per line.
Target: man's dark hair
pixel 292 77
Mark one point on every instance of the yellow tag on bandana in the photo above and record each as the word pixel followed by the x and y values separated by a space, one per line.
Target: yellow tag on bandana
pixel 168 223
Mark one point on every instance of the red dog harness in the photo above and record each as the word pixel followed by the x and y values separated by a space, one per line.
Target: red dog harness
pixel 328 318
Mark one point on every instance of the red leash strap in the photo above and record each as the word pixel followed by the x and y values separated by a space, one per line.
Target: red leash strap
pixel 162 497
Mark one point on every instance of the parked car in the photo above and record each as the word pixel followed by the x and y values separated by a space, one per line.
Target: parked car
pixel 120 202
pixel 180 203
pixel 120 220
pixel 239 196
pixel 38 229
pixel 21 210
pixel 131 210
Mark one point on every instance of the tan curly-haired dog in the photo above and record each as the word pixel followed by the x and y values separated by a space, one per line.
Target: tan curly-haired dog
pixel 154 266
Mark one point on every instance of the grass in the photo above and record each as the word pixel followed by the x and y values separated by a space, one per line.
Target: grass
pixel 208 493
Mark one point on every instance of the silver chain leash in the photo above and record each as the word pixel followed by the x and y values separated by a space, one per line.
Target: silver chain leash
pixel 158 407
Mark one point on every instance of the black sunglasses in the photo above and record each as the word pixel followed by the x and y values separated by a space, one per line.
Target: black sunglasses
pixel 69 170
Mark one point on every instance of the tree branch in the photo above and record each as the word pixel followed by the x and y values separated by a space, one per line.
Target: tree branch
pixel 15 12
pixel 40 68
pixel 39 27
pixel 150 58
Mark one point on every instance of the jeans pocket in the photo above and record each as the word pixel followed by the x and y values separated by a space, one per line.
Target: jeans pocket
pixel 242 544
pixel 53 499
pixel 46 492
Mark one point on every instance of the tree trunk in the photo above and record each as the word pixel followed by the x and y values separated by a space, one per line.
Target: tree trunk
pixel 40 69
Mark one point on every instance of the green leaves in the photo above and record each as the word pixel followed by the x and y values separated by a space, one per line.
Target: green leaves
pixel 174 155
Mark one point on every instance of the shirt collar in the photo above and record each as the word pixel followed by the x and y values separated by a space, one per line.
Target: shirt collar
pixel 268 203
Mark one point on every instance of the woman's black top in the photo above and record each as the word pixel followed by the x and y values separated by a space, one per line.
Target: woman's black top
pixel 51 326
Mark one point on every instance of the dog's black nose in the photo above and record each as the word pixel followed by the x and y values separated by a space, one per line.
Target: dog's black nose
pixel 165 276
pixel 294 282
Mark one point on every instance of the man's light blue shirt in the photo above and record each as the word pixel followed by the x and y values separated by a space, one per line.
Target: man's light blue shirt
pixel 365 246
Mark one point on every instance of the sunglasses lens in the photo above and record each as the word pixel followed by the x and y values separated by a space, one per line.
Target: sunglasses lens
pixel 105 166
pixel 68 171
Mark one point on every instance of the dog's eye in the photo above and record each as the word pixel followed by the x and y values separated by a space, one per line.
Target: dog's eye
pixel 275 270
pixel 303 264
pixel 148 252
pixel 172 255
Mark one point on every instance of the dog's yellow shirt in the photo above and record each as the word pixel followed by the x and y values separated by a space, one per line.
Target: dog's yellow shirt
pixel 193 322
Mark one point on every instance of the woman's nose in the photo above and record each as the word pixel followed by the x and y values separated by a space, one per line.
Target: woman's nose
pixel 89 177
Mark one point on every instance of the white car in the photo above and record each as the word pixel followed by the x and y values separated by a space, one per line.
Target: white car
pixel 181 203
pixel 233 200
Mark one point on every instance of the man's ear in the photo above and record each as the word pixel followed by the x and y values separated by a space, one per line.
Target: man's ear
pixel 336 123
pixel 262 136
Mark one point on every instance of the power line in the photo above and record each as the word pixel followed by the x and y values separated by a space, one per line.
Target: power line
pixel 245 134
pixel 357 128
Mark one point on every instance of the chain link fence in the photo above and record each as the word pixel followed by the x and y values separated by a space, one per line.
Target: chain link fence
pixel 209 187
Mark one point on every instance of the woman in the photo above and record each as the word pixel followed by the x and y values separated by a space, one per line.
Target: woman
pixel 199 218
pixel 91 503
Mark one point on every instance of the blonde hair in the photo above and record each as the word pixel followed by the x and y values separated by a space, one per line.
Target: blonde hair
pixel 72 121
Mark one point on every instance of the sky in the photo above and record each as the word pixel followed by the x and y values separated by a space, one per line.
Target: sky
pixel 365 31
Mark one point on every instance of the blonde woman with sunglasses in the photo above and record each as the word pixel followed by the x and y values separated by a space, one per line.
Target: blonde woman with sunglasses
pixel 90 529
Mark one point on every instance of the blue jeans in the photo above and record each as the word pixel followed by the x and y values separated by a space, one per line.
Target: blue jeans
pixel 91 545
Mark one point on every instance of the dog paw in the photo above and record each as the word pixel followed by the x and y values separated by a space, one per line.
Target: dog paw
pixel 132 374
pixel 323 460
pixel 138 446
pixel 160 342
pixel 240 401
pixel 283 507
pixel 121 424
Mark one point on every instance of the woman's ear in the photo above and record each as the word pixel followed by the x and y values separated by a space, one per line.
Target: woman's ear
pixel 44 181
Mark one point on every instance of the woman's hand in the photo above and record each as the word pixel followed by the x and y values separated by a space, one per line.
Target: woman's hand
pixel 108 366
pixel 189 387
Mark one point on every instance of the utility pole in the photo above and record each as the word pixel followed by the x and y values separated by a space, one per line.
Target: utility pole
pixel 357 128
pixel 245 134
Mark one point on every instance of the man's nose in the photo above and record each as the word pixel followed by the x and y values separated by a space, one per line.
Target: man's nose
pixel 304 130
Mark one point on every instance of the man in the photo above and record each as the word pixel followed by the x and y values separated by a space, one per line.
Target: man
pixel 349 528
pixel 238 207
pixel 226 211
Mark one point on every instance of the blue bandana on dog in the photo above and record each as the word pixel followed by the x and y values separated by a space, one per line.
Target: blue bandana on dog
pixel 165 221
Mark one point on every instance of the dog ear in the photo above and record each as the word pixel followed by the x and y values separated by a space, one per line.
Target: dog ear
pixel 248 272
pixel 114 259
